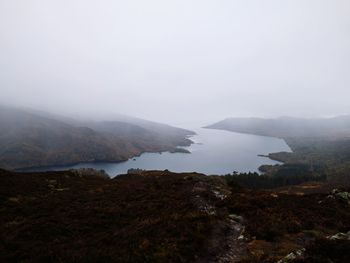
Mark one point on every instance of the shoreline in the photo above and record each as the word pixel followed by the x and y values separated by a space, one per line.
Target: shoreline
pixel 46 168
pixel 269 155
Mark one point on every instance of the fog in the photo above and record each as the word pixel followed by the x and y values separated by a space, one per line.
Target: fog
pixel 176 61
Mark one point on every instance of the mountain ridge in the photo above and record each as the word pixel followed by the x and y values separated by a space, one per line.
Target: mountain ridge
pixel 289 127
pixel 32 140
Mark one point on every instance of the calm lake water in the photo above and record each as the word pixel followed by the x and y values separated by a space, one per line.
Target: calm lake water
pixel 213 152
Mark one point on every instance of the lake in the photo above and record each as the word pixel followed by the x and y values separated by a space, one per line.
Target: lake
pixel 213 152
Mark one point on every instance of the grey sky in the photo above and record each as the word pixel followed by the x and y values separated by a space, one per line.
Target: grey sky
pixel 177 61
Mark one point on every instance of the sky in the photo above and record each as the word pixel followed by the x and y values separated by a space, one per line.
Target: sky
pixel 177 61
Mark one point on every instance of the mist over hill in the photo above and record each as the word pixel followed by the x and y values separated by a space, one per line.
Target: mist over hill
pixel 32 139
pixel 321 146
pixel 288 127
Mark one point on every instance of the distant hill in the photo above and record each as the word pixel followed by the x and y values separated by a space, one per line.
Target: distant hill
pixel 287 127
pixel 32 139
pixel 320 146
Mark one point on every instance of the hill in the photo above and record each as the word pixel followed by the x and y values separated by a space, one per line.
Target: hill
pixel 321 147
pixel 287 127
pixel 30 139
pixel 159 216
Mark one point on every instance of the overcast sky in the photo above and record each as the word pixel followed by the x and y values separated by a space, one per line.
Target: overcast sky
pixel 177 61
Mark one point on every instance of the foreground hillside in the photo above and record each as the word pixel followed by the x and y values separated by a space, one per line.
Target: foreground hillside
pixel 84 216
pixel 31 139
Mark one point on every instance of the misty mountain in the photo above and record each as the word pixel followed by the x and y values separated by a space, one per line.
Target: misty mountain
pixel 31 139
pixel 320 146
pixel 288 127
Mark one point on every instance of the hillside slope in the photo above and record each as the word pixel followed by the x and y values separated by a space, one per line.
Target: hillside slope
pixel 287 127
pixel 31 140
pixel 159 216
pixel 320 146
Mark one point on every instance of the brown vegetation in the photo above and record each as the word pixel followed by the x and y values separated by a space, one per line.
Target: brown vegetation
pixel 165 217
pixel 68 218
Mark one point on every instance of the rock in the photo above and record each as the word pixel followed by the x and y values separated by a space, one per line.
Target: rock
pixel 219 195
pixel 344 195
pixel 236 218
pixel 241 237
pixel 292 256
pixel 341 236
pixel 334 191
pixel 330 197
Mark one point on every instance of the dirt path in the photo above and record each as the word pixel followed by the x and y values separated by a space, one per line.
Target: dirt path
pixel 227 243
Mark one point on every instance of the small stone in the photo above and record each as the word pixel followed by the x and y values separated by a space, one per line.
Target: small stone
pixel 236 218
pixel 344 195
pixel 341 236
